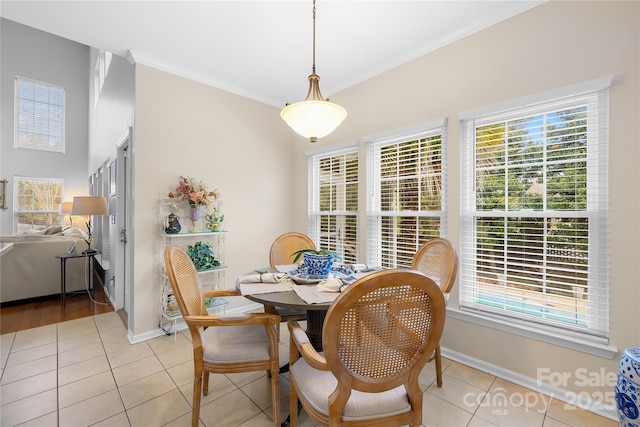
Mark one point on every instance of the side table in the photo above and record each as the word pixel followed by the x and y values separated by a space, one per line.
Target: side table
pixel 63 271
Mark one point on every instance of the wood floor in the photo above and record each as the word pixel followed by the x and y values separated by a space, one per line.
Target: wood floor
pixel 40 313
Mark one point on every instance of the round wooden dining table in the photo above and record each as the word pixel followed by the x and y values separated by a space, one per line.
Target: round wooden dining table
pixel 315 312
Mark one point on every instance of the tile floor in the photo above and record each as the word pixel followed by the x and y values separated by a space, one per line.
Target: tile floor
pixel 85 373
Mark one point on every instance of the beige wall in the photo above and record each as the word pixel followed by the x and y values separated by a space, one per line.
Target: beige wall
pixel 239 146
pixel 554 45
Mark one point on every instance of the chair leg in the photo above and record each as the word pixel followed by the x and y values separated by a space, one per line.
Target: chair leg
pixel 275 396
pixel 293 407
pixel 438 366
pixel 197 390
pixel 205 383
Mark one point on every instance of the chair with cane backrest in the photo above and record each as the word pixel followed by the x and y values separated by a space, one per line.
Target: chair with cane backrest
pixel 437 259
pixel 377 336
pixel 280 254
pixel 226 343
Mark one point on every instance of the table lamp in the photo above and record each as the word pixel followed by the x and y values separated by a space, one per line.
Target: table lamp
pixel 89 205
pixel 65 208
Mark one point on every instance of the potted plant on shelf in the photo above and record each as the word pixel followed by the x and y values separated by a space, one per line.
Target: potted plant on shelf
pixel 317 262
pixel 201 253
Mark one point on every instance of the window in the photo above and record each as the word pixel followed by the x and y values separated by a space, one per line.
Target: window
pixel 534 213
pixel 39 116
pixel 333 216
pixel 406 195
pixel 37 201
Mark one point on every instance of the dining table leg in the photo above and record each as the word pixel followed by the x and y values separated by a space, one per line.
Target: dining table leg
pixel 315 320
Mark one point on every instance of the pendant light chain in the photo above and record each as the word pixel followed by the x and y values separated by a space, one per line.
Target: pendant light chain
pixel 313 66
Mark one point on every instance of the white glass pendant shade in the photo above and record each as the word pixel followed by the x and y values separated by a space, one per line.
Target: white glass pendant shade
pixel 313 119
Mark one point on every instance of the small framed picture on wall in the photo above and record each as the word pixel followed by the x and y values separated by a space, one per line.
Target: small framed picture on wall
pixel 113 183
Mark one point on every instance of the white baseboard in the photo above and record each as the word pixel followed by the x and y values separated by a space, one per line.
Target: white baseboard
pixel 583 402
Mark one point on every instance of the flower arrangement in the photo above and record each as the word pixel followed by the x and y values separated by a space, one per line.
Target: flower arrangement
pixel 196 193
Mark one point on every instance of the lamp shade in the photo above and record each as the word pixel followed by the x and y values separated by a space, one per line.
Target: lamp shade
pixel 88 205
pixel 313 119
pixel 65 208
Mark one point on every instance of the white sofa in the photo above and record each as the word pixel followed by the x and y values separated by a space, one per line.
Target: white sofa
pixel 30 268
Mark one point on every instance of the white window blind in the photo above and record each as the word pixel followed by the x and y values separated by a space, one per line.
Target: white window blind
pixel 36 203
pixel 406 194
pixel 39 115
pixel 333 204
pixel 534 205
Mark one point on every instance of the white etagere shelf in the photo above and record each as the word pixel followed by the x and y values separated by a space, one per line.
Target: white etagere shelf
pixel 212 278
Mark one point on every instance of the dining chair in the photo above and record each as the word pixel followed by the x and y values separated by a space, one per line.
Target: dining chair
pixel 280 254
pixel 377 336
pixel 437 259
pixel 222 344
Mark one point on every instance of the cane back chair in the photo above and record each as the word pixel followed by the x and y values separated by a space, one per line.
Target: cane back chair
pixel 437 259
pixel 377 336
pixel 221 344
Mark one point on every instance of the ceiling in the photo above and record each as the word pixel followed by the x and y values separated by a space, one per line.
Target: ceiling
pixel 263 49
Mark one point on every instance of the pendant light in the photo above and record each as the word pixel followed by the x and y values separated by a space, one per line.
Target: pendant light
pixel 314 117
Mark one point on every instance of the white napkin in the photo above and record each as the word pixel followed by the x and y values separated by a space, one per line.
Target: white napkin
pixel 263 278
pixel 329 285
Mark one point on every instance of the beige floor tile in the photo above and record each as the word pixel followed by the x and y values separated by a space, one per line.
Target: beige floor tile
pixel 574 416
pixel 76 328
pixel 244 378
pixel 219 385
pixel 437 412
pixel 6 342
pixel 79 342
pixel 28 408
pixel 28 387
pixel 118 420
pixel 470 375
pixel 426 378
pixel 35 353
pixel 182 374
pixel 139 369
pixel 114 339
pixel 459 393
pixel 35 337
pixel 259 391
pixel 176 356
pixel 479 422
pixel 183 421
pixel 129 354
pixel 260 420
pixel 28 369
pixel 521 395
pixel 231 409
pixel 93 410
pixel 50 419
pixel 168 342
pixel 550 422
pixel 80 354
pixel 146 389
pixel 85 388
pixel 498 410
pixel 160 410
pixel 84 369
pixel 107 321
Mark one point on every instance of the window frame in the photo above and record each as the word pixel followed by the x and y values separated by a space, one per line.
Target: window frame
pixel 21 117
pixel 594 337
pixel 346 244
pixel 401 256
pixel 53 211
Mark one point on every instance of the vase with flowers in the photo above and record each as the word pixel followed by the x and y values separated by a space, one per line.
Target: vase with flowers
pixel 196 194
